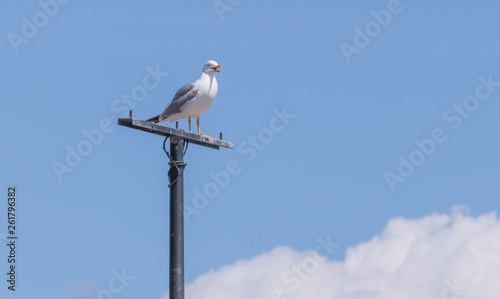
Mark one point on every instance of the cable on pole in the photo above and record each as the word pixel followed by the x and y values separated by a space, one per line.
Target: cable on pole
pixel 175 163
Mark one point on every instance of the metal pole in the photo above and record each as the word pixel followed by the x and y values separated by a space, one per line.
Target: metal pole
pixel 175 175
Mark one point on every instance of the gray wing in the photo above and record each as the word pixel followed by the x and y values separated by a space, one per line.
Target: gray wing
pixel 183 95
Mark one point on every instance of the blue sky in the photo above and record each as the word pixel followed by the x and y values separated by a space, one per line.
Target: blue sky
pixel 323 173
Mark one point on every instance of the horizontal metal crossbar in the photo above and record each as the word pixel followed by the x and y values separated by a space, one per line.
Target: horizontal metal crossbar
pixel 171 132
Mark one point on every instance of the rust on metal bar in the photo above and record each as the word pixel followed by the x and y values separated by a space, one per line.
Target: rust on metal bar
pixel 171 132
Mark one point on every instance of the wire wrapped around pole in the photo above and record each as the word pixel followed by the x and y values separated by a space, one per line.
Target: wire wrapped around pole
pixel 175 163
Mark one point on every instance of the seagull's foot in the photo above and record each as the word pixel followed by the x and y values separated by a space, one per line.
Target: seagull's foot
pixel 206 136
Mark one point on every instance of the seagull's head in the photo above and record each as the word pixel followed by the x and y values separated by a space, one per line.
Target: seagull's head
pixel 211 67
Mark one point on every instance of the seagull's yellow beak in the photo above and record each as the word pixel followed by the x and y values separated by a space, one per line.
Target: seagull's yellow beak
pixel 215 68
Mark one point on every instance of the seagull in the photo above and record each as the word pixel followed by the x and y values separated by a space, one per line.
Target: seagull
pixel 192 99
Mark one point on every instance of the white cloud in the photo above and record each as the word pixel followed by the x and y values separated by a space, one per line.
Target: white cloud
pixel 439 256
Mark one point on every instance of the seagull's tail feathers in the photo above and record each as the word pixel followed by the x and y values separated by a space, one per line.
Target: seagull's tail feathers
pixel 154 119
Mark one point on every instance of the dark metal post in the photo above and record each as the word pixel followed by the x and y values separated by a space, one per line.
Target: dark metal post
pixel 175 175
pixel 176 179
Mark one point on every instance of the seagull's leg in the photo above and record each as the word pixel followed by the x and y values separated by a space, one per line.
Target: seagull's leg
pixel 189 121
pixel 199 131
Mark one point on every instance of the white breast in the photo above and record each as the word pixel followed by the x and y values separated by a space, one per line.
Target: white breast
pixel 207 90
